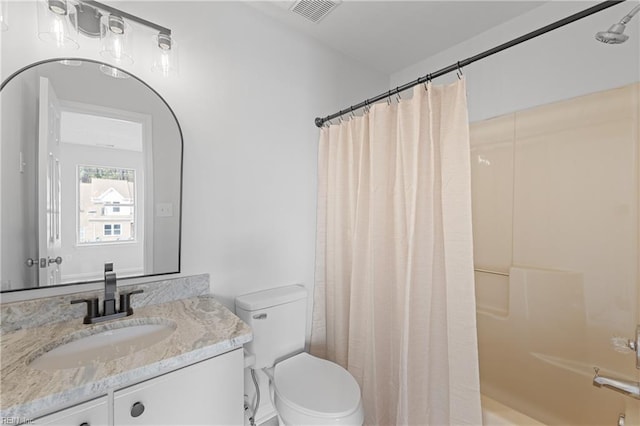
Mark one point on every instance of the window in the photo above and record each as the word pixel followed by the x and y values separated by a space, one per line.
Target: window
pixel 106 205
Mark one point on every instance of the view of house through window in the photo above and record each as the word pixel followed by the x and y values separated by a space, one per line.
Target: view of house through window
pixel 106 205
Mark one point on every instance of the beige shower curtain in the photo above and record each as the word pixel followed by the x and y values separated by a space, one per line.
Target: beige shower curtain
pixel 394 292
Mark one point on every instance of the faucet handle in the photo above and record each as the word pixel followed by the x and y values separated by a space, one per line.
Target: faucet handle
pixel 93 311
pixel 125 301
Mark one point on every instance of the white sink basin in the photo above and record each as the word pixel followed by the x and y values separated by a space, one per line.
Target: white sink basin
pixel 101 344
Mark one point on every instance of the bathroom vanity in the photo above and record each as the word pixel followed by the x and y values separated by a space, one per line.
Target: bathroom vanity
pixel 177 362
pixel 208 392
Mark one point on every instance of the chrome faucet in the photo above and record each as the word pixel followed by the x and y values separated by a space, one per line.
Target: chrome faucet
pixel 109 311
pixel 626 387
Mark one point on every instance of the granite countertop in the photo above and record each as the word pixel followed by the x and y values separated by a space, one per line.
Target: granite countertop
pixel 204 328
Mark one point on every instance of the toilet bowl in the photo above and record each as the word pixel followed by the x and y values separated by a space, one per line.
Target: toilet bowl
pixel 306 390
pixel 313 391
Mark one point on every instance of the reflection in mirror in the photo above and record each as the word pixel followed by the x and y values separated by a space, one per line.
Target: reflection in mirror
pixel 91 167
pixel 106 205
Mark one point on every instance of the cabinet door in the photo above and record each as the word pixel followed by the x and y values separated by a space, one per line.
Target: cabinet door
pixel 91 413
pixel 207 393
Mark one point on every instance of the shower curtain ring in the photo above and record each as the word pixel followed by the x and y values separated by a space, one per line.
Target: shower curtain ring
pixel 424 83
pixel 398 97
pixel 459 72
pixel 389 98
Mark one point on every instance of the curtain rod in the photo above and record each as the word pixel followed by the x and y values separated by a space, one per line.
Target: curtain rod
pixel 458 65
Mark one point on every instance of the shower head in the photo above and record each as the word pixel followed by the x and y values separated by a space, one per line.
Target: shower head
pixel 615 34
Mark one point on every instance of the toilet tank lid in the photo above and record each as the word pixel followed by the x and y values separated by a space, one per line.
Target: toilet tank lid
pixel 272 297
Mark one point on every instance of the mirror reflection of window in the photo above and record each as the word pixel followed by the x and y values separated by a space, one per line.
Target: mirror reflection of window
pixel 97 121
pixel 106 205
pixel 106 158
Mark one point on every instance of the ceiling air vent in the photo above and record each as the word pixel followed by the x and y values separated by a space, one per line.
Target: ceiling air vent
pixel 314 10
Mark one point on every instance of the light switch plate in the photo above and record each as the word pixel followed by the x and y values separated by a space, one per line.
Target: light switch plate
pixel 164 210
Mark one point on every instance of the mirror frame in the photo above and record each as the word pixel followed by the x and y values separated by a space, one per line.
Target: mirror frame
pixel 45 61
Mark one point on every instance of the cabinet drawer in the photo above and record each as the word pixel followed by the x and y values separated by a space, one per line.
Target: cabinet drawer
pixel 209 392
pixel 90 413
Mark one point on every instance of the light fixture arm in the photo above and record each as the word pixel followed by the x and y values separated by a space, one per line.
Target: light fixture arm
pixel 128 16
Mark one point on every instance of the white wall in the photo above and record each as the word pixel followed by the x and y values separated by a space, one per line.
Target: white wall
pixel 562 64
pixel 246 97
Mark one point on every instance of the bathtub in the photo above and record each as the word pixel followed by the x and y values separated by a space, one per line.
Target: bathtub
pixel 497 414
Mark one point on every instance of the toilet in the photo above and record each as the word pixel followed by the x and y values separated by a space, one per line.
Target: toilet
pixel 305 390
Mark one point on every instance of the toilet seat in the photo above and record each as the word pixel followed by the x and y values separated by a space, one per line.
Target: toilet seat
pixel 318 389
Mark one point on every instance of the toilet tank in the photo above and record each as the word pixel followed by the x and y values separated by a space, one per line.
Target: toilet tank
pixel 278 318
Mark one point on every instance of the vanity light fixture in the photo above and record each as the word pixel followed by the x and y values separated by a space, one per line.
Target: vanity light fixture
pixel 61 21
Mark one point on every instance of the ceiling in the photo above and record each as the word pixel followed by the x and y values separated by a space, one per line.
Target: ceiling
pixel 391 35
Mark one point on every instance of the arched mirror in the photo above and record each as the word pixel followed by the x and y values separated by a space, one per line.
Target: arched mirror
pixel 91 172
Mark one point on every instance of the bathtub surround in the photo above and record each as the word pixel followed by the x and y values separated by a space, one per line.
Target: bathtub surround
pixel 394 298
pixel 496 414
pixel 555 207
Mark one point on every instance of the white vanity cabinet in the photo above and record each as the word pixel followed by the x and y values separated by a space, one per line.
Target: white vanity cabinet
pixel 207 393
pixel 90 413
